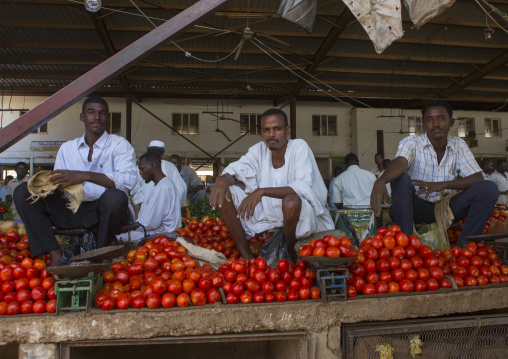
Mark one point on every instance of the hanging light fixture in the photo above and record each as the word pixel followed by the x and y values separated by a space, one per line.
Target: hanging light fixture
pixel 93 5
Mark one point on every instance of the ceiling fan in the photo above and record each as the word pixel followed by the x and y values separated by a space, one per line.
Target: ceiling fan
pixel 220 117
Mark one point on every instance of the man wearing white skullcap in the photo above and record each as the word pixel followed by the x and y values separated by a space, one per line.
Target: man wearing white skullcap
pixel 142 189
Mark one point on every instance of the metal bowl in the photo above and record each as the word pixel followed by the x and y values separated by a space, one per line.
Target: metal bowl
pixel 98 255
pixel 77 271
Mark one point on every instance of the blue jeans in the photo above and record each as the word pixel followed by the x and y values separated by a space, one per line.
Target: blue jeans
pixel 475 204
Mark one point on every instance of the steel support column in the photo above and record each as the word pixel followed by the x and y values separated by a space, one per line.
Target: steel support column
pixel 104 72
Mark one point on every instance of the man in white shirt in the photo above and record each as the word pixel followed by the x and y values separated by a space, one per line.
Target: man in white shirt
pixel 3 190
pixel 193 182
pixel 106 166
pixel 22 176
pixel 336 172
pixel 425 170
pixel 499 178
pixel 160 211
pixel 353 186
pixel 142 189
pixel 378 160
pixel 487 168
pixel 276 184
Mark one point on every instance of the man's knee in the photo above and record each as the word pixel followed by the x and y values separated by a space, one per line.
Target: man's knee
pixel 486 190
pixel 402 181
pixel 20 195
pixel 114 198
pixel 291 204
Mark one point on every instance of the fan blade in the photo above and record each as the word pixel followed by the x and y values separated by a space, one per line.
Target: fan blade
pixel 240 48
pixel 272 38
pixel 227 138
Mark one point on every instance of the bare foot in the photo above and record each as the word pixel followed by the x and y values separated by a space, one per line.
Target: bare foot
pixel 56 257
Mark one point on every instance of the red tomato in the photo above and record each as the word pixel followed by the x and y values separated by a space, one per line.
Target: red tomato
pixel 382 265
pixel 198 297
pixel 401 240
pixel 393 287
pixel 425 252
pixel 351 291
pixel 384 253
pixel 306 250
pixel 369 289
pixel 370 266
pixel 139 302
pixel 280 296
pixel 405 265
pixel 213 295
pixel 385 277
pixel 358 283
pixel 14 308
pixel 412 275
pixel 394 263
pixel 153 301
pixel 358 270
pixel 414 242
pixel 394 228
pixel 431 262
pixel 398 275
pixel 432 284
pixel 420 286
pixel 398 252
pixel 280 286
pixel 407 286
pixel 371 253
pixel 436 273
pixel 410 252
pixel 389 242
pixel 107 304
pixel 283 265
pixel 381 287
pixel 423 274
pixel 269 297
pixel 293 295
pixel 124 301
pixel 51 306
pixel 38 293
pixel 470 281
pixel 372 277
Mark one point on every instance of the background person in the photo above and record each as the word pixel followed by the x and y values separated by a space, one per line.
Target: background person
pixel 378 160
pixel 354 185
pixel 426 169
pixel 160 211
pixel 487 168
pixel 499 178
pixel 142 189
pixel 22 176
pixel 106 166
pixel 3 190
pixel 194 185
pixel 336 172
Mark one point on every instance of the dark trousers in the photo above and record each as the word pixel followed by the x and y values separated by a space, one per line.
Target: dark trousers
pixel 107 214
pixel 475 204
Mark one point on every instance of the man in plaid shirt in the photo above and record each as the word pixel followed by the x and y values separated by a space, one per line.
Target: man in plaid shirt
pixel 426 169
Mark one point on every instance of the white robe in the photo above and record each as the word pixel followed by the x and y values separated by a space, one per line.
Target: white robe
pixel 160 211
pixel 142 189
pixel 300 172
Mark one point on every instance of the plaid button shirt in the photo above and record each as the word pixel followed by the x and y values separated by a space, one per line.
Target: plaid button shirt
pixel 422 161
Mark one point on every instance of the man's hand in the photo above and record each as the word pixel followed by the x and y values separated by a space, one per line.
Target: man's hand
pixel 428 187
pixel 220 191
pixel 66 178
pixel 378 194
pixel 248 205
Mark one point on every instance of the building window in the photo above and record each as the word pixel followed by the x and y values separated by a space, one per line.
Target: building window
pixel 415 125
pixel 492 127
pixel 42 129
pixel 186 123
pixel 250 122
pixel 466 125
pixel 323 125
pixel 115 124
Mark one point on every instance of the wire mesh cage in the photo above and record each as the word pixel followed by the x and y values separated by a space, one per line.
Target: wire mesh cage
pixel 460 338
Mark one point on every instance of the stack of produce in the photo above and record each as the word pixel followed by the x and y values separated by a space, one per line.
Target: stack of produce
pixel 25 285
pixel 497 219
pixel 210 233
pixel 160 273
pixel 255 281
pixel 393 262
pixel 475 265
pixel 329 246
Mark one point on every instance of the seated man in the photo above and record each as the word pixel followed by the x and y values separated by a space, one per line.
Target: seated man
pixel 160 211
pixel 142 189
pixel 431 163
pixel 22 176
pixel 487 168
pixel 353 187
pixel 499 178
pixel 105 164
pixel 276 184
pixel 194 185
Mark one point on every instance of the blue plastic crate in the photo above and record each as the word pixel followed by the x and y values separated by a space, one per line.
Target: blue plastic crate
pixel 332 282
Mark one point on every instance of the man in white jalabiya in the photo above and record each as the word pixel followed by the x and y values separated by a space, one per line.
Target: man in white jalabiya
pixel 160 211
pixel 276 184
pixel 142 189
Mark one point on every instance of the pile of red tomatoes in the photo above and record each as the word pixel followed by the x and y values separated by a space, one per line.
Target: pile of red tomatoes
pixel 392 262
pixel 25 284
pixel 161 274
pixel 210 233
pixel 329 246
pixel 254 281
pixel 475 265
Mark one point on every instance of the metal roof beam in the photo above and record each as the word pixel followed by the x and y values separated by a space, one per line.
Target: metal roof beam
pixel 104 72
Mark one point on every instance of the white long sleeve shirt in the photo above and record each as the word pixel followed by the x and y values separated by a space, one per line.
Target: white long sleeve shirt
pixel 112 156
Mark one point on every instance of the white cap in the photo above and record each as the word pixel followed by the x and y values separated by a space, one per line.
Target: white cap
pixel 156 143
